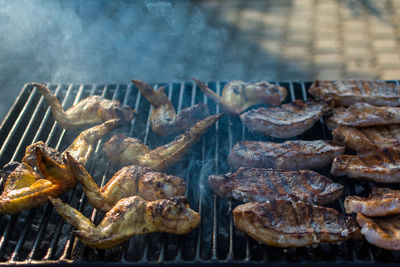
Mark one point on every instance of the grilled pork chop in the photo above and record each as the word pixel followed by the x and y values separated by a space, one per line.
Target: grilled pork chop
pixel 367 137
pixel 257 184
pixel 289 155
pixel 382 165
pixel 363 115
pixel 383 232
pixel 285 121
pixel 285 223
pixel 345 93
pixel 380 202
pixel 237 96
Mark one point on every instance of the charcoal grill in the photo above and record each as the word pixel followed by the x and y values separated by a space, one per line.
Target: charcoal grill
pixel 41 236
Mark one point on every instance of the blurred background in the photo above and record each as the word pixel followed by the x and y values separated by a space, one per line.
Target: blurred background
pixel 215 40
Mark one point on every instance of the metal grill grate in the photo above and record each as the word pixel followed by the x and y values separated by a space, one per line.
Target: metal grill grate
pixel 41 236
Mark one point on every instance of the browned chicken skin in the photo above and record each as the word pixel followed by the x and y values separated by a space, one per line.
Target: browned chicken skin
pixel 237 96
pixel 80 149
pixel 128 217
pixel 129 181
pixel 25 188
pixel 131 151
pixel 91 110
pixel 164 120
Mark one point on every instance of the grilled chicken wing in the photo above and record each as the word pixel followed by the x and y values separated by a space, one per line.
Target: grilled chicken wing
pixel 91 110
pixel 346 93
pixel 129 181
pixel 80 149
pixel 131 151
pixel 285 223
pixel 257 184
pixel 363 115
pixel 128 217
pixel 285 121
pixel 383 232
pixel 289 155
pixel 368 137
pixel 380 202
pixel 164 120
pixel 24 188
pixel 237 96
pixel 382 165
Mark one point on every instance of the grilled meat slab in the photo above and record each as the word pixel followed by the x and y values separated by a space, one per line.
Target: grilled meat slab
pixel 382 165
pixel 380 202
pixel 368 137
pixel 131 151
pixel 129 181
pixel 285 223
pixel 346 93
pixel 285 121
pixel 163 118
pixel 131 216
pixel 257 184
pixel 382 232
pixel 237 96
pixel 289 155
pixel 363 115
pixel 91 110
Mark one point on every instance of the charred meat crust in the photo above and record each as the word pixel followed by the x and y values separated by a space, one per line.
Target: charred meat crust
pixel 381 165
pixel 380 202
pixel 285 223
pixel 290 155
pixel 285 121
pixel 257 184
pixel 346 93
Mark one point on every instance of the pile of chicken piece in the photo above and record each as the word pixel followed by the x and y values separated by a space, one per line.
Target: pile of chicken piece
pixel 282 191
pixel 139 198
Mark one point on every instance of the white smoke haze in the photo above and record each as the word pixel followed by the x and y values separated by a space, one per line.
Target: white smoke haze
pixel 103 42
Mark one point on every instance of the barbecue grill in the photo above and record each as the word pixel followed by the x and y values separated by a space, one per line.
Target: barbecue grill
pixel 41 236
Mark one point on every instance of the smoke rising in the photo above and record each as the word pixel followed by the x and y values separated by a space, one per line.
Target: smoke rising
pixel 103 42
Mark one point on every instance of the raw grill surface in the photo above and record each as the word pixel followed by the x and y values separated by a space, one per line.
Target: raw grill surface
pixel 41 236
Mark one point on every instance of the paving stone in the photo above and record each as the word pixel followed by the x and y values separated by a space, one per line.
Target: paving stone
pixel 388 59
pixel 329 74
pixel 328 60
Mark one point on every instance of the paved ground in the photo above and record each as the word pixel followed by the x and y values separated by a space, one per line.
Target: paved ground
pixel 309 39
pixel 167 40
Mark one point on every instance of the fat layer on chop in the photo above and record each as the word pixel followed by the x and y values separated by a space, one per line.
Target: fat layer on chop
pixel 363 115
pixel 345 93
pixel 289 155
pixel 382 232
pixel 258 184
pixel 381 165
pixel 285 121
pixel 285 223
pixel 380 202
pixel 367 137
